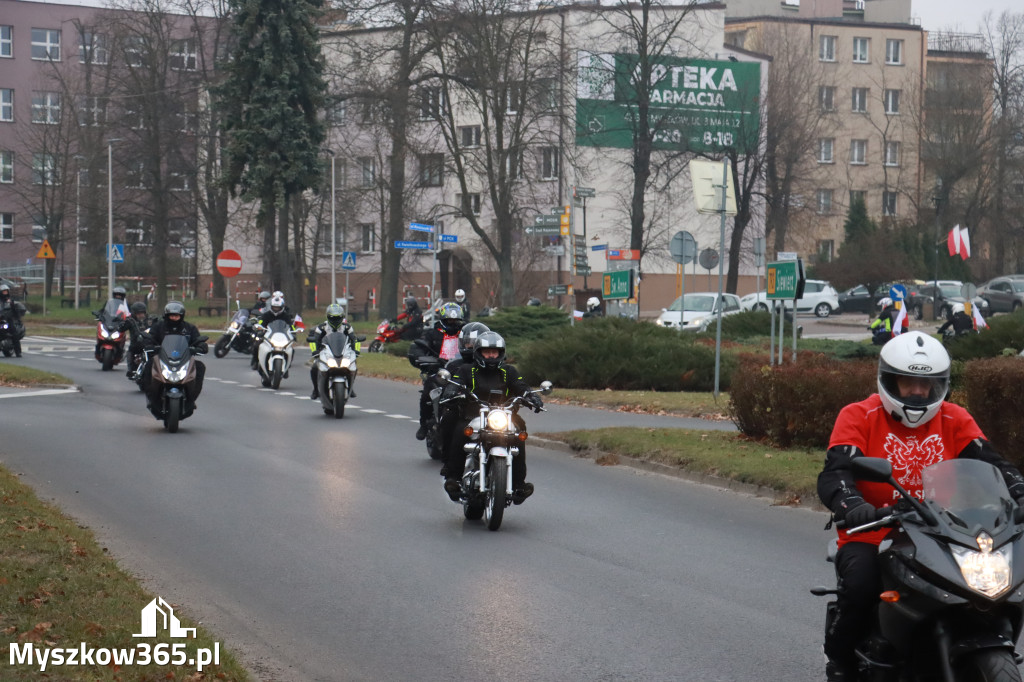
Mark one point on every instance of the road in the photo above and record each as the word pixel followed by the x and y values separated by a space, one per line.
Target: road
pixel 325 549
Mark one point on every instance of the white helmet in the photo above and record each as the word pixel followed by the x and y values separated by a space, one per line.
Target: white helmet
pixel 277 304
pixel 884 302
pixel 957 308
pixel 593 303
pixel 918 355
pixel 460 295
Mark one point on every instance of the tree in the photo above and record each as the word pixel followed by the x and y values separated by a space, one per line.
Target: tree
pixel 271 97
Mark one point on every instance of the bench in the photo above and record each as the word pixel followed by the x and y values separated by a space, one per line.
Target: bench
pixel 212 310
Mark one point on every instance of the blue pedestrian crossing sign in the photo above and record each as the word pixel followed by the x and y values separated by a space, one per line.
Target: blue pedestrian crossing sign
pixel 348 260
pixel 115 253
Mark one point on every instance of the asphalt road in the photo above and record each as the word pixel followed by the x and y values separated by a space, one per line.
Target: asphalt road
pixel 325 549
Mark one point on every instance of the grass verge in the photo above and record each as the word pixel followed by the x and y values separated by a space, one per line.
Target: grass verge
pixel 58 589
pixel 17 376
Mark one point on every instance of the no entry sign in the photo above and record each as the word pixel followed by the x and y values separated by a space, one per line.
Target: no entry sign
pixel 229 263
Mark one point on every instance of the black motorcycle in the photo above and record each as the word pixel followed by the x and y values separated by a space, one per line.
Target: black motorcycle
pixel 174 368
pixel 239 335
pixel 10 332
pixel 952 603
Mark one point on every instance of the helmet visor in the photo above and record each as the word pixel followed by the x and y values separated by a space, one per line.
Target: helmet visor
pixel 915 390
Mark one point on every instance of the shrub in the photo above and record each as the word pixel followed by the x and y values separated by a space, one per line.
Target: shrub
pixel 524 324
pixel 797 403
pixel 1005 331
pixel 995 399
pixel 624 355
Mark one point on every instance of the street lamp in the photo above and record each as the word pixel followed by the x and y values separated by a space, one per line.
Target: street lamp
pixel 110 215
pixel 78 225
pixel 937 198
pixel 334 238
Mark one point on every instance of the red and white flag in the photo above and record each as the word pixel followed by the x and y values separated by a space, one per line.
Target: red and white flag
pixel 979 320
pixel 901 319
pixel 958 241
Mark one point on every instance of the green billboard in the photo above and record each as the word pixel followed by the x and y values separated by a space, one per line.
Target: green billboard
pixel 698 105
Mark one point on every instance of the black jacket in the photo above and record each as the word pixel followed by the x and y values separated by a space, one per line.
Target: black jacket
pixel 268 316
pixel 315 337
pixel 492 385
pixel 961 322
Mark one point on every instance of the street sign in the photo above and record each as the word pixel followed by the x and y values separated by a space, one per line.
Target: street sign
pixel 412 245
pixel 544 230
pixel 559 290
pixel 583 192
pixel 599 247
pixel 449 238
pixel 580 250
pixel 348 260
pixel 46 251
pixel 229 263
pixel 683 247
pixel 421 227
pixel 547 220
pixel 786 255
pixel 618 284
pixel 583 270
pixel 784 280
pixel 623 254
pixel 708 259
pixel 115 253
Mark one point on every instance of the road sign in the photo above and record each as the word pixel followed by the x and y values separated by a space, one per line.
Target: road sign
pixel 618 284
pixel 46 251
pixel 547 220
pixel 559 290
pixel 599 247
pixel 115 253
pixel 784 280
pixel 348 260
pixel 683 247
pixel 544 230
pixel 229 263
pixel 449 238
pixel 421 227
pixel 412 245
pixel 623 254
pixel 582 269
pixel 708 259
pixel 583 192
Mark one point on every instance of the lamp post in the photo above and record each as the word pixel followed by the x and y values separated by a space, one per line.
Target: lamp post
pixel 334 229
pixel 110 216
pixel 937 198
pixel 78 226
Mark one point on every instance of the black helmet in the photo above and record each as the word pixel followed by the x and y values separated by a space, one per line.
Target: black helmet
pixel 449 318
pixel 119 293
pixel 138 307
pixel 4 289
pixel 174 308
pixel 468 336
pixel 410 303
pixel 489 340
pixel 335 315
pixel 264 296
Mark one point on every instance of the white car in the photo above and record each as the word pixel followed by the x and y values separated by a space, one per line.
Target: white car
pixel 694 312
pixel 819 298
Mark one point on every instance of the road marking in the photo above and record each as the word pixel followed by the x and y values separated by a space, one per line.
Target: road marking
pixel 399 416
pixel 374 411
pixel 48 391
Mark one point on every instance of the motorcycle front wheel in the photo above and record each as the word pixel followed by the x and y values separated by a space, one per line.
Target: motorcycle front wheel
pixel 988 665
pixel 496 483
pixel 223 346
pixel 275 379
pixel 173 415
pixel 376 346
pixel 339 400
pixel 107 359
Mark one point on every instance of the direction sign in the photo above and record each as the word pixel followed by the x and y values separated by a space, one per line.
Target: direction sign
pixel 623 254
pixel 544 230
pixel 784 280
pixel 449 238
pixel 583 192
pixel 46 251
pixel 229 263
pixel 115 253
pixel 599 247
pixel 548 220
pixel 583 270
pixel 617 284
pixel 412 245
pixel 348 260
pixel 421 227
pixel 559 289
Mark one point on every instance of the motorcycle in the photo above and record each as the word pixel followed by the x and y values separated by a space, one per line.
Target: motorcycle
pixel 8 334
pixel 111 333
pixel 487 478
pixel 238 336
pixel 952 575
pixel 950 335
pixel 336 365
pixel 174 368
pixel 387 332
pixel 277 346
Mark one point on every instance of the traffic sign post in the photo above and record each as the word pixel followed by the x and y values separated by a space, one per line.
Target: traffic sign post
pixel 412 245
pixel 348 261
pixel 617 284
pixel 46 253
pixel 229 264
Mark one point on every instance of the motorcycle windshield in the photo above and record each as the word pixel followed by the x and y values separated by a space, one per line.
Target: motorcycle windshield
pixel 174 350
pixel 113 314
pixel 240 316
pixel 336 343
pixel 972 491
pixel 279 327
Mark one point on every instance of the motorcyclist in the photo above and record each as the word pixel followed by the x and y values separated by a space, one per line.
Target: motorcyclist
pixel 593 307
pixel 413 317
pixel 276 310
pixel 13 311
pixel 460 298
pixel 959 320
pixel 137 323
pixel 486 374
pixel 261 303
pixel 884 326
pixel 120 294
pixel 447 417
pixel 440 342
pixel 173 322
pixel 909 423
pixel 336 322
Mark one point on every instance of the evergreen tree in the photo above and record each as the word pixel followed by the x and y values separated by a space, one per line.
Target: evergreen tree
pixel 273 93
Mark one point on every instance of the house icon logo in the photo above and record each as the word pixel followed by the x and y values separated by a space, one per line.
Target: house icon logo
pixel 158 614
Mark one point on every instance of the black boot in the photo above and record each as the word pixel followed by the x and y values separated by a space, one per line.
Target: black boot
pixel 835 672
pixel 520 494
pixel 453 488
pixel 421 433
pixel 315 395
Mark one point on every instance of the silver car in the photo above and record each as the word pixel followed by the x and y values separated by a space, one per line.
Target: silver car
pixel 1004 294
pixel 694 312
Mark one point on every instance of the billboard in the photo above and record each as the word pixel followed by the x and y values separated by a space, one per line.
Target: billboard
pixel 698 105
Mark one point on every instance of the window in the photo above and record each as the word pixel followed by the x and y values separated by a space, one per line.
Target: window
pixel 825 150
pixel 134 50
pixel 38 229
pixel 368 238
pixel 183 55
pixel 6 166
pixel 893 51
pixel 46 107
pixel 92 111
pixel 137 231
pixel 826 250
pixel 431 169
pixel 860 50
pixel 827 97
pixel 44 169
pixel 512 95
pixel 858 152
pixel 860 101
pixel 336 112
pixel 187 121
pixel 470 203
pixel 892 153
pixel 92 48
pixel 6 45
pixel 549 163
pixel 547 94
pixel 46 44
pixel 133 117
pixel 430 102
pixel 514 163
pixel 469 136
pixel 6 104
pixel 889 204
pixel 6 227
pixel 858 195
pixel 824 201
pixel 180 179
pixel 892 101
pixel 367 171
pixel 827 48
pixel 136 174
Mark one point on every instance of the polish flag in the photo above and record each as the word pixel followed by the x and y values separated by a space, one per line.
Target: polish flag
pixel 958 241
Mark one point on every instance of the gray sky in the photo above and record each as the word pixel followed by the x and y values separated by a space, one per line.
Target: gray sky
pixel 960 15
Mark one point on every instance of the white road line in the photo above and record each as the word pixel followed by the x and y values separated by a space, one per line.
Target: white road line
pixel 48 391
pixel 399 416
pixel 374 411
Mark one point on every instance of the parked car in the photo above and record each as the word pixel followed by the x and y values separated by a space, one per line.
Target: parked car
pixel 694 312
pixel 819 298
pixel 858 300
pixel 946 294
pixel 1004 294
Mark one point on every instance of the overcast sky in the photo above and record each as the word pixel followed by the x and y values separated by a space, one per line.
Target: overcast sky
pixel 960 15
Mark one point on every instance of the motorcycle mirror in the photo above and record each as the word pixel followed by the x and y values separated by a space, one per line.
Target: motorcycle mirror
pixel 443 374
pixel 546 387
pixel 871 468
pixel 203 339
pixel 360 339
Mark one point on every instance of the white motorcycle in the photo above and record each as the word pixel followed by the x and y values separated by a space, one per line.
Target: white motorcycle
pixel 277 346
pixel 336 370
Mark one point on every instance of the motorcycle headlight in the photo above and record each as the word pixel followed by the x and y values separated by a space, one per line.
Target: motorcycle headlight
pixel 115 335
pixel 497 420
pixel 234 326
pixel 329 360
pixel 985 571
pixel 173 376
pixel 279 343
pixel 346 362
pixel 104 333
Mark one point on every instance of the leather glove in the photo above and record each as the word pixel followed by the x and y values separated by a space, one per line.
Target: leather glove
pixel 860 515
pixel 534 402
pixel 1017 492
